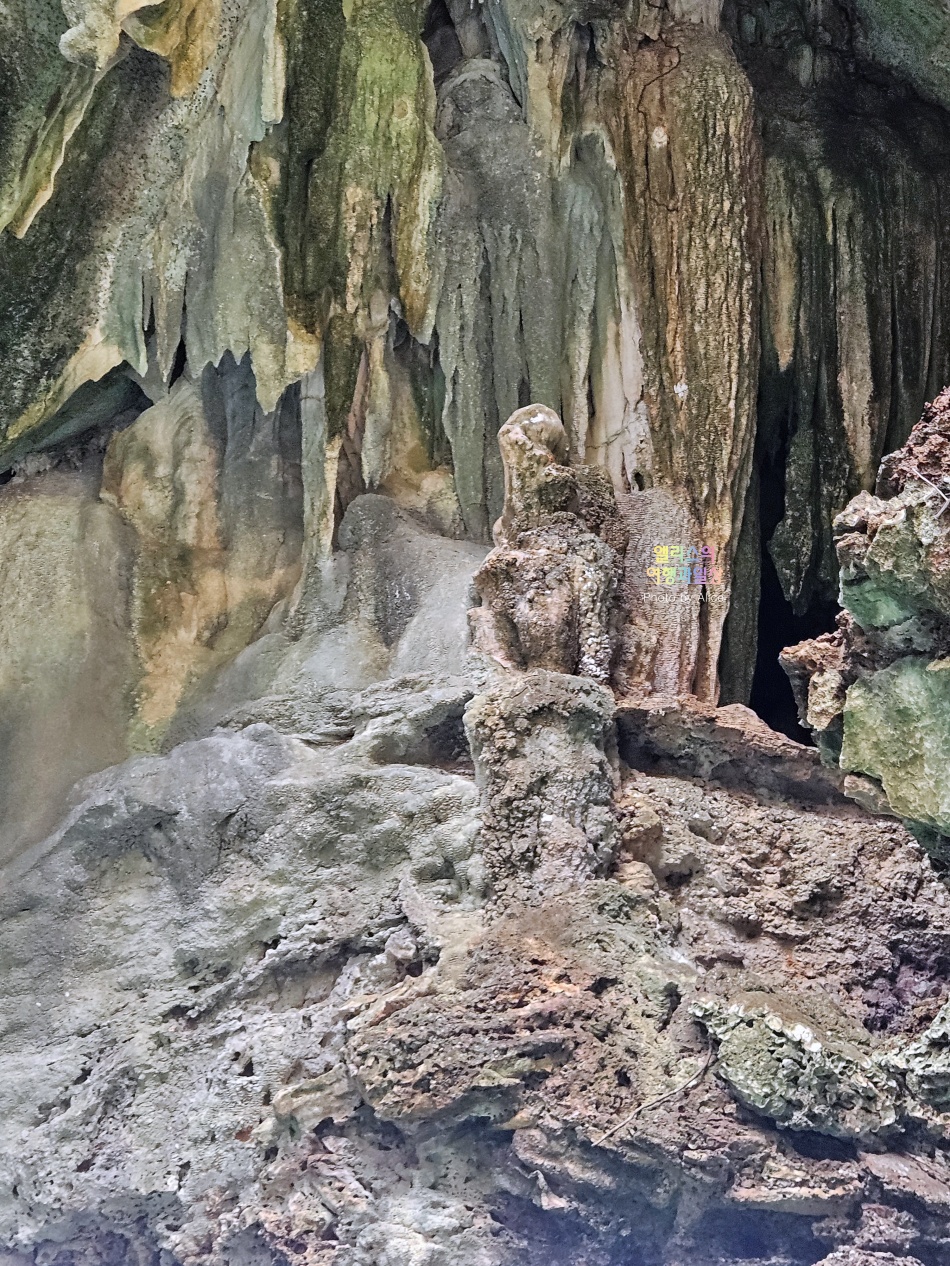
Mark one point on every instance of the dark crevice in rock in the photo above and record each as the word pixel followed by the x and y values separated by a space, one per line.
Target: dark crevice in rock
pixel 422 366
pixel 820 1146
pixel 778 623
pixel 349 476
pixel 761 1236
pixel 440 38
pixel 855 305
pixel 446 745
pixel 546 1240
pixel 179 363
pixel 778 627
pixel 85 422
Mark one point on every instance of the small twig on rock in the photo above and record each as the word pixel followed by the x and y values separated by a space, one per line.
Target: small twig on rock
pixel 939 491
pixel 652 1103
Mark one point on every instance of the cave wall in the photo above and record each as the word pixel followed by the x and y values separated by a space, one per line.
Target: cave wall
pixel 855 311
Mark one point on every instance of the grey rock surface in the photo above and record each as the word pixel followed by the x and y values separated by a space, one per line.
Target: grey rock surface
pixel 327 987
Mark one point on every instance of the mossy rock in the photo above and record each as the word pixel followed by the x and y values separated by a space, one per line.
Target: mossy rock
pixel 897 730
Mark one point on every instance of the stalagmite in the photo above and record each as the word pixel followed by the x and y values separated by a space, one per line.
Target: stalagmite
pixel 547 587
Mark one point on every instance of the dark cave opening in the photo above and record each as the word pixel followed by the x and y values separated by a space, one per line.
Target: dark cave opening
pixel 760 1235
pixel 778 627
pixel 778 623
pixel 820 1146
pixel 440 38
pixel 83 424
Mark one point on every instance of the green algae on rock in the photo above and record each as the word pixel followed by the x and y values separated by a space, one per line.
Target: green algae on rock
pixel 443 213
pixel 783 1068
pixel 897 730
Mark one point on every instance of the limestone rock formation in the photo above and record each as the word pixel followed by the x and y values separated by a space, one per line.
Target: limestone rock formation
pixel 314 988
pixel 378 890
pixel 874 690
pixel 415 220
pixel 542 744
pixel 468 967
pixel 547 588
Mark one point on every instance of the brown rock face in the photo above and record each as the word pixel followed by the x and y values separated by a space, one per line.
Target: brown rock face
pixel 659 634
pixel 926 455
pixel 542 744
pixel 680 106
pixel 569 586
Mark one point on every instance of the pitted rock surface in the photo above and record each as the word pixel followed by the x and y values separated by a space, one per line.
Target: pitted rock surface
pixel 875 691
pixel 323 996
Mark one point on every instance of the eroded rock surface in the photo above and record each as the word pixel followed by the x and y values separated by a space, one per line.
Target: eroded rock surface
pixel 542 744
pixel 356 944
pixel 317 989
pixel 874 691
pixel 547 588
pixel 471 968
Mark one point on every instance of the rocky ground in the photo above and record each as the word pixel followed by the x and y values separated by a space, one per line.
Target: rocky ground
pixel 317 988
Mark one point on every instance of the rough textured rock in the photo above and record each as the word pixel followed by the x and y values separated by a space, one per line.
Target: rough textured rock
pixel 359 942
pixel 875 689
pixel 416 969
pixel 313 992
pixel 730 745
pixel 547 588
pixel 659 635
pixel 540 743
